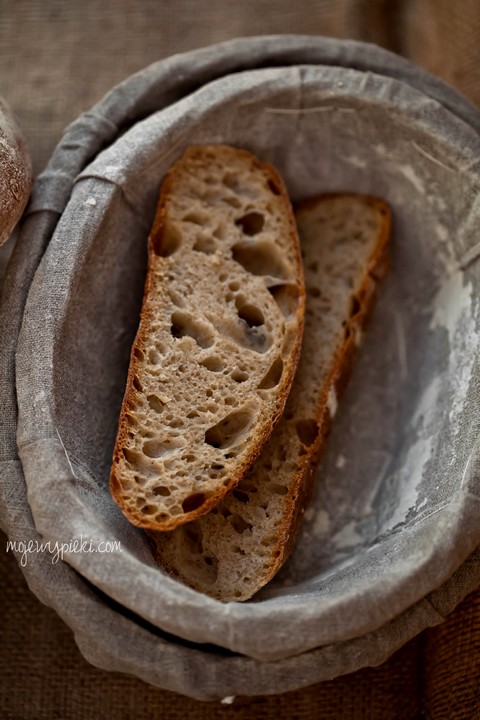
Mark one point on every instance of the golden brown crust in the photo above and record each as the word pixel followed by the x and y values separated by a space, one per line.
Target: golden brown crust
pixel 15 173
pixel 262 433
pixel 216 557
pixel 302 487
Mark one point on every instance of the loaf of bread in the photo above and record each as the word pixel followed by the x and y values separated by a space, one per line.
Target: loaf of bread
pixel 235 549
pixel 219 337
pixel 15 172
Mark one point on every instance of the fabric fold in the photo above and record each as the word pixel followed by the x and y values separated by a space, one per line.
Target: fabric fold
pixel 79 268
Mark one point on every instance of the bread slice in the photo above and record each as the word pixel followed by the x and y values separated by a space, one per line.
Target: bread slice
pixel 235 549
pixel 219 337
pixel 16 175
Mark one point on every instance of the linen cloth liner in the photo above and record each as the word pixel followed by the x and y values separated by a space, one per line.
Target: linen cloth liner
pixel 80 400
pixel 45 224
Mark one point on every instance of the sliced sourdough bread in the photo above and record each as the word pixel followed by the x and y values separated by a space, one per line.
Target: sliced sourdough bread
pixel 219 337
pixel 235 549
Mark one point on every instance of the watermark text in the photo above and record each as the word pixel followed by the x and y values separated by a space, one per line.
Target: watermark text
pixel 58 549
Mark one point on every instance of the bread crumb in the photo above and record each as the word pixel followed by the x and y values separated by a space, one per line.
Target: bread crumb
pixel 309 514
pixel 332 403
pixel 341 460
pixel 322 523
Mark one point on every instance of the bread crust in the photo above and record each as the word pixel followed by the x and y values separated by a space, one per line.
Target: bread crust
pixel 260 434
pixel 15 172
pixel 303 485
pixel 183 557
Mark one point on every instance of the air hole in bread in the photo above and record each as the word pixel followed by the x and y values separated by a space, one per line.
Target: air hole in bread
pixel 138 354
pixel 155 403
pixel 193 502
pixel 137 384
pixel 239 524
pixel 267 541
pixel 259 258
pixel 140 480
pixel 206 245
pixel 252 223
pixel 252 315
pixel 197 216
pixel 138 461
pixel 221 231
pixel 156 448
pixel 233 201
pixel 148 509
pixel 239 376
pixel 161 490
pixel 272 377
pixel 230 430
pixel 154 356
pixel 307 431
pixel 246 484
pixel 286 297
pixel 256 340
pixel 234 286
pixel 176 424
pixel 230 180
pixel 167 241
pixel 238 551
pixel 313 292
pixel 278 489
pixel 253 338
pixel 176 298
pixel 185 325
pixel 240 496
pixel 213 363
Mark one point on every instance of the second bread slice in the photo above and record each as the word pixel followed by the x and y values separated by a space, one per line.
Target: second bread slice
pixel 219 337
pixel 235 549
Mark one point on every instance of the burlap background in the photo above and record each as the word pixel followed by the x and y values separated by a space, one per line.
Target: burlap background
pixel 57 59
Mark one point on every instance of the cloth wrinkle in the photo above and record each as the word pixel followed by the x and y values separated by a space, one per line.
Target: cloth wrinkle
pixel 314 633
